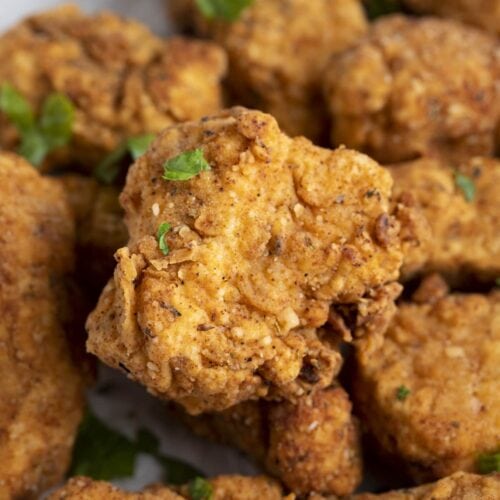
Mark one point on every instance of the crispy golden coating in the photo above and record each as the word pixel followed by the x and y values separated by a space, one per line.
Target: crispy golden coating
pixel 445 352
pixel 313 445
pixel 278 50
pixel 482 13
pixel 41 390
pixel 122 79
pixel 458 486
pixel 465 235
pixel 260 246
pixel 416 86
pixel 224 488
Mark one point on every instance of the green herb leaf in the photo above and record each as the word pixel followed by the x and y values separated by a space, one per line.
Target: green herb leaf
pixel 228 10
pixel 16 108
pixel 402 392
pixel 33 146
pixel 163 229
pixel 488 463
pixel 56 120
pixel 109 168
pixel 200 489
pixel 185 166
pixel 147 442
pixel 378 8
pixel 138 145
pixel 466 184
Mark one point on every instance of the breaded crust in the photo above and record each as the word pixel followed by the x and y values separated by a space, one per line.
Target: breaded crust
pixel 416 86
pixel 121 78
pixel 41 390
pixel 260 246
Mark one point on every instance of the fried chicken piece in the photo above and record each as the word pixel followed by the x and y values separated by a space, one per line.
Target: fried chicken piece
pixel 278 50
pixel 122 79
pixel 416 86
pixel 465 235
pixel 260 246
pixel 313 445
pixel 41 391
pixel 428 389
pixel 460 485
pixel 482 13
pixel 224 488
pixel 100 229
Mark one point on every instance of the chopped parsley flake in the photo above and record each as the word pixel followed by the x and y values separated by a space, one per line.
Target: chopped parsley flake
pixel 378 8
pixel 227 10
pixel 488 463
pixel 185 166
pixel 466 185
pixel 163 229
pixel 200 489
pixel 402 392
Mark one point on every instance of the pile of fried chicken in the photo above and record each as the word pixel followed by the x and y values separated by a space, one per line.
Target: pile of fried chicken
pixel 302 260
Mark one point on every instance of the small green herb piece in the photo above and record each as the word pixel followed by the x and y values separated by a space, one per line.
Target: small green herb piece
pixel 402 392
pixel 163 229
pixel 228 10
pixel 185 166
pixel 488 463
pixel 466 184
pixel 200 489
pixel 56 120
pixel 378 8
pixel 16 108
pixel 139 144
pixel 497 282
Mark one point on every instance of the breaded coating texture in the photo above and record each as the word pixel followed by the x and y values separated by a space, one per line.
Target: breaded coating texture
pixel 40 389
pixel 428 389
pixel 224 488
pixel 278 50
pixel 464 235
pixel 313 445
pixel 458 486
pixel 482 13
pixel 260 246
pixel 121 78
pixel 416 86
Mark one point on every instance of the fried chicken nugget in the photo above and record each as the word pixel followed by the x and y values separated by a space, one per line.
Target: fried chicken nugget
pixel 278 50
pixel 223 488
pixel 313 445
pixel 121 78
pixel 416 86
pixel 260 246
pixel 428 389
pixel 465 233
pixel 41 391
pixel 482 13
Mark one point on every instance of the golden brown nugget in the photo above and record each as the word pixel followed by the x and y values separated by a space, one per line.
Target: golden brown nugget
pixel 416 86
pixel 223 488
pixel 428 389
pixel 482 13
pixel 465 234
pixel 458 486
pixel 278 50
pixel 313 445
pixel 260 246
pixel 40 389
pixel 121 78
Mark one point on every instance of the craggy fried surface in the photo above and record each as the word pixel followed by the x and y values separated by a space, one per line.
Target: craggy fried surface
pixel 465 235
pixel 224 488
pixel 122 79
pixel 482 13
pixel 278 50
pixel 41 390
pixel 310 446
pixel 446 353
pixel 260 247
pixel 416 86
pixel 460 485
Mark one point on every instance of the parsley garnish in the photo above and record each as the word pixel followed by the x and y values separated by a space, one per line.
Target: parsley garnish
pixel 200 489
pixel 402 392
pixel 228 10
pixel 488 463
pixel 185 166
pixel 163 229
pixel 378 8
pixel 53 129
pixel 102 453
pixel 109 168
pixel 466 184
